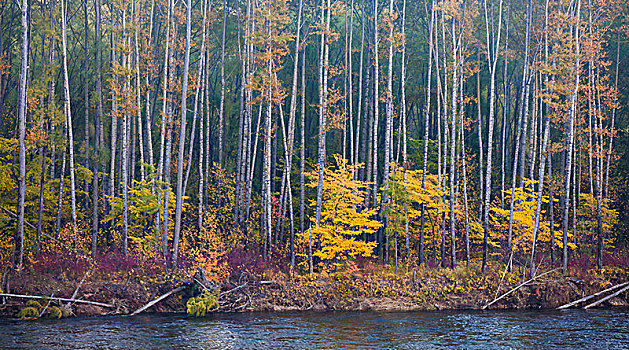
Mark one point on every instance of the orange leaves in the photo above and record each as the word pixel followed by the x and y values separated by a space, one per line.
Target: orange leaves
pixel 5 65
pixel 36 134
pixel 336 115
pixel 210 253
pixel 458 10
pixel 270 38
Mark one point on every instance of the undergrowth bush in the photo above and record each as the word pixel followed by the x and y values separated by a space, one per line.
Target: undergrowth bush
pixel 202 304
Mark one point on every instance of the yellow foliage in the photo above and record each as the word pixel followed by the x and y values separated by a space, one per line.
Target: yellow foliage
pixel 416 192
pixel 344 217
pixel 143 204
pixel 207 249
pixel 587 222
pixel 524 209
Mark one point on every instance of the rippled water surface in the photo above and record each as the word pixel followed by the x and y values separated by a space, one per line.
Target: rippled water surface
pixel 592 329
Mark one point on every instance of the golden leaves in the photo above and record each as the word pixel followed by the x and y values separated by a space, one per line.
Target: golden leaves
pixel 344 216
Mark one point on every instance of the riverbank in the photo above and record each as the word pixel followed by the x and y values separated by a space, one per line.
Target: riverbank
pixel 433 289
pixel 372 288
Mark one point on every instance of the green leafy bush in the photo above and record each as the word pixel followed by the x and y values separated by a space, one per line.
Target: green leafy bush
pixel 200 305
pixel 28 313
pixel 54 312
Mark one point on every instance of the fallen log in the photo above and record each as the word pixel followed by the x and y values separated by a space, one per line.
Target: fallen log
pixel 516 288
pixel 162 297
pixel 607 298
pixel 565 306
pixel 80 301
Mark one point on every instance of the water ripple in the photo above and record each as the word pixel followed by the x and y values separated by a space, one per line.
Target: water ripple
pixel 601 329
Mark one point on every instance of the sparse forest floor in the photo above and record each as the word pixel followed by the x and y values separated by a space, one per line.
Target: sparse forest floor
pixel 370 287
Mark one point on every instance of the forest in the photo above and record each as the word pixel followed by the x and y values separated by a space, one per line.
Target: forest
pixel 160 137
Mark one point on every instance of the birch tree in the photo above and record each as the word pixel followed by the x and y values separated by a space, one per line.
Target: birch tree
pixel 19 242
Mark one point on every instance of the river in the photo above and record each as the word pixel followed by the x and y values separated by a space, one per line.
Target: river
pixel 593 329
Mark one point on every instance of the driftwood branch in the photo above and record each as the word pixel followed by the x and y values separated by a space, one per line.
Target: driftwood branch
pixel 47 304
pixel 201 284
pixel 76 291
pixel 516 288
pixel 592 296
pixel 95 303
pixel 607 298
pixel 164 296
pixel 233 289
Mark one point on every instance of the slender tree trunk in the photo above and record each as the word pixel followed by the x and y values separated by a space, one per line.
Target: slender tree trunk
pixel 242 118
pixel 201 156
pixel 266 174
pixel 209 112
pixel 302 155
pixel 166 144
pixel 252 160
pixel 426 122
pixel 86 91
pixel 480 140
pixel 204 120
pixel 456 41
pixel 199 89
pixel 61 184
pixel 40 212
pixel 388 157
pixel 439 133
pixel 149 114
pixel 86 103
pixel 350 83
pixel 248 111
pixel 19 242
pixel 98 126
pixel 125 150
pixel 291 129
pixel 445 139
pixel 404 125
pixel 551 207
pixel 221 115
pixel 114 126
pixel 182 134
pixel 138 90
pixel 614 111
pixel 51 94
pixel 68 115
pixel 599 174
pixel 464 172
pixel 492 59
pixel 368 135
pixel 360 82
pixel 323 110
pixel 505 112
pixel 540 192
pixel 570 143
pixel 376 102
pixel 160 166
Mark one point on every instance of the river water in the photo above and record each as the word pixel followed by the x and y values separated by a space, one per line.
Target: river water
pixel 591 329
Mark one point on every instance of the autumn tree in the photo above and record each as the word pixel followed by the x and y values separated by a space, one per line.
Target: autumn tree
pixel 344 219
